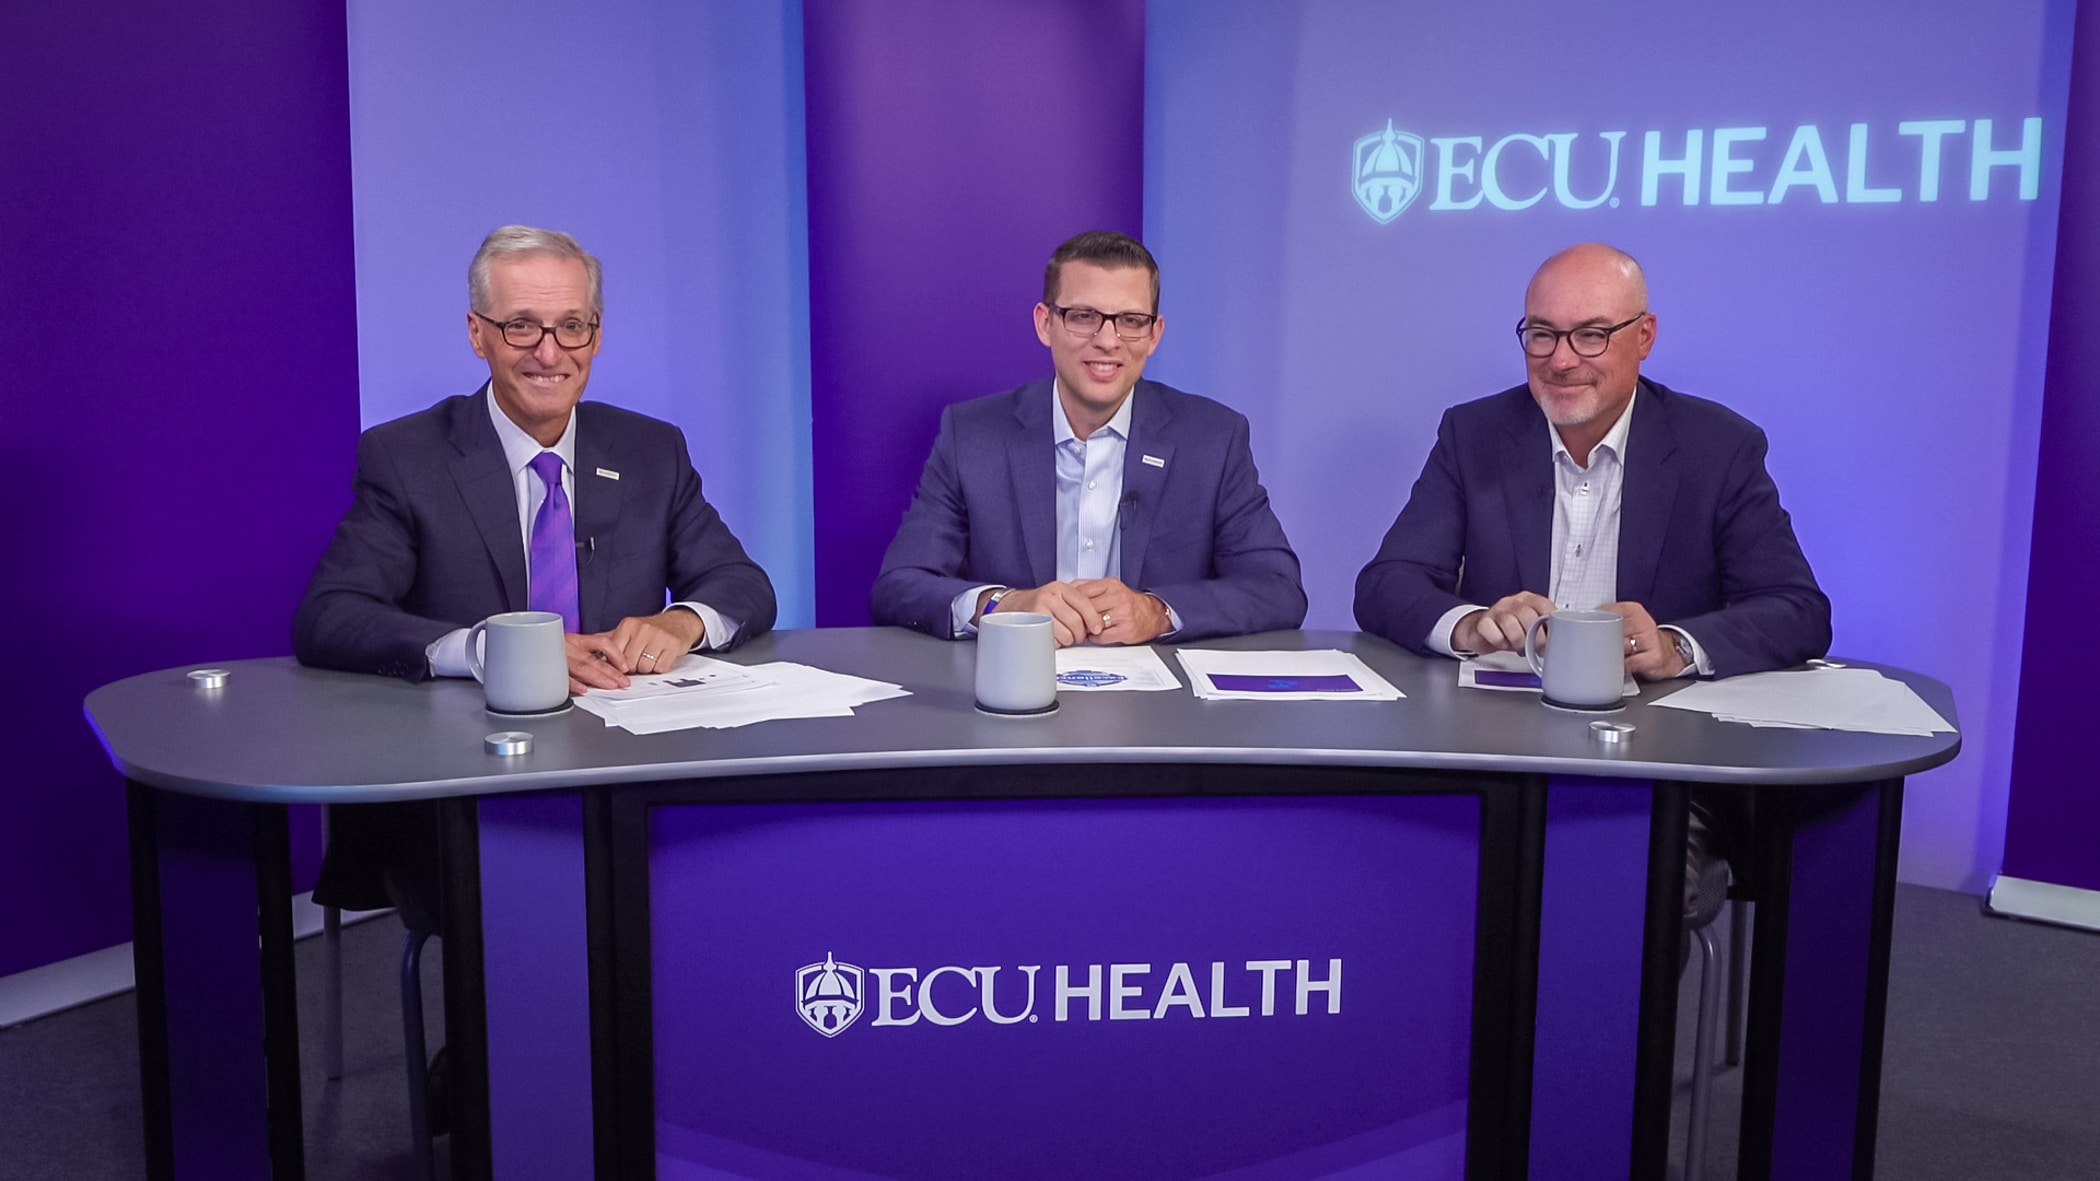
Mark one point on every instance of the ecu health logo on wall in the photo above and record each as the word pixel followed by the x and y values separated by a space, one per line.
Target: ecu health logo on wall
pixel 829 995
pixel 1386 172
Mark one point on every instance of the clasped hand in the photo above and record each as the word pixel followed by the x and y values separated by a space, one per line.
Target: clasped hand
pixel 1095 610
pixel 1650 655
pixel 640 644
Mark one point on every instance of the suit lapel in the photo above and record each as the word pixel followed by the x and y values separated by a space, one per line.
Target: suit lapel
pixel 1144 484
pixel 1031 459
pixel 1527 473
pixel 485 484
pixel 1647 495
pixel 597 509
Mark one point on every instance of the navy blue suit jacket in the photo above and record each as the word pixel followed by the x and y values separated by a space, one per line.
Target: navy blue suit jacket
pixel 1196 529
pixel 1703 542
pixel 431 541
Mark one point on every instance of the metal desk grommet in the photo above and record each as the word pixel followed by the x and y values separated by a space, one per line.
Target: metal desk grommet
pixel 210 678
pixel 508 742
pixel 1613 732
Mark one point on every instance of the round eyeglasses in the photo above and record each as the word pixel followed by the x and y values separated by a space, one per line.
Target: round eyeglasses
pixel 525 334
pixel 1540 341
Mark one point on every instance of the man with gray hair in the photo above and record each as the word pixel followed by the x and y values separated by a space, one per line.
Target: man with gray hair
pixel 520 497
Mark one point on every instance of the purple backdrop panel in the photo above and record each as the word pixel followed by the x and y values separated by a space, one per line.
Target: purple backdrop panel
pixel 1102 989
pixel 537 971
pixel 952 145
pixel 1590 911
pixel 175 239
pixel 2053 826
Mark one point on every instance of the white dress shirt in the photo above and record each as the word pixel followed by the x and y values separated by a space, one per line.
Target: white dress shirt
pixel 1586 507
pixel 448 653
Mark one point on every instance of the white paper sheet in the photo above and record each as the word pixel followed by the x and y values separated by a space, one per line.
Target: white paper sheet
pixel 1088 669
pixel 1828 698
pixel 704 691
pixel 1325 674
pixel 1509 672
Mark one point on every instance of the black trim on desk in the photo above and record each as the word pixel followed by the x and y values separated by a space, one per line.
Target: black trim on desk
pixel 1873 1031
pixel 280 989
pixel 1506 979
pixel 1777 814
pixel 466 997
pixel 149 970
pixel 1655 1046
pixel 1505 961
pixel 600 930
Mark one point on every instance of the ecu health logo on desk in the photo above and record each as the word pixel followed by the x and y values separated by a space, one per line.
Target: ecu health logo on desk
pixel 829 995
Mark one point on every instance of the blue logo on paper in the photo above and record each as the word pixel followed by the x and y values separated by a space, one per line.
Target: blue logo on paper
pixel 828 995
pixel 1388 172
pixel 1088 678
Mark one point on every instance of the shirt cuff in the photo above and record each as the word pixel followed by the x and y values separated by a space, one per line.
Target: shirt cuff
pixel 1173 617
pixel 721 629
pixel 964 609
pixel 1700 665
pixel 1439 638
pixel 448 655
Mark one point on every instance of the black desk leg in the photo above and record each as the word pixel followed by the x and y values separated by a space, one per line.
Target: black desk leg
pixel 217 1000
pixel 1819 980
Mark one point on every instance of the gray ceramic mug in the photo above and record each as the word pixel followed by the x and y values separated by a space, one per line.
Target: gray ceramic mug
pixel 1586 668
pixel 1016 663
pixel 526 668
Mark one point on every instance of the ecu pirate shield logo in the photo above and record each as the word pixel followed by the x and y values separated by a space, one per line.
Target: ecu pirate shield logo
pixel 1387 172
pixel 828 995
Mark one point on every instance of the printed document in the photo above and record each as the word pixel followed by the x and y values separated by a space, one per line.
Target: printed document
pixel 1325 674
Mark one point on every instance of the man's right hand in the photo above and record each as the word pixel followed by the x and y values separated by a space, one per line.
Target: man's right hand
pixel 1072 614
pixel 1500 628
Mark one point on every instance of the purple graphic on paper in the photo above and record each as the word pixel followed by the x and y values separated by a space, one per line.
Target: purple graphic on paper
pixel 1238 683
pixel 1099 989
pixel 1505 680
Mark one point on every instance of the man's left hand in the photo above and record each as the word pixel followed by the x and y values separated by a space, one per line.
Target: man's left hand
pixel 1127 616
pixel 1650 654
pixel 644 644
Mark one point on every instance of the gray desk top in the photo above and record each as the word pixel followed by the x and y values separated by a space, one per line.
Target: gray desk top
pixel 283 733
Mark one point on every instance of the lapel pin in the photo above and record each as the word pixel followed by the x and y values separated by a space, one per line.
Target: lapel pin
pixel 608 473
pixel 1155 461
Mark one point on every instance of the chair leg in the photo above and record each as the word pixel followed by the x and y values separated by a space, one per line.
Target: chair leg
pixel 1702 1057
pixel 332 982
pixel 418 1065
pixel 1739 919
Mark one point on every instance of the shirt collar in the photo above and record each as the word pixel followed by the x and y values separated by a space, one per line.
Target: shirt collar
pixel 1614 440
pixel 1061 427
pixel 519 448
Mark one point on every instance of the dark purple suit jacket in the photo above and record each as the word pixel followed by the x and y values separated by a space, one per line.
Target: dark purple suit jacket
pixel 431 541
pixel 1703 542
pixel 1196 528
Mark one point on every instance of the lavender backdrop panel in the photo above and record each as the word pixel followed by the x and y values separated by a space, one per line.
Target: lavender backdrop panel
pixel 1592 901
pixel 1879 337
pixel 670 144
pixel 535 952
pixel 175 253
pixel 2053 826
pixel 952 145
pixel 845 991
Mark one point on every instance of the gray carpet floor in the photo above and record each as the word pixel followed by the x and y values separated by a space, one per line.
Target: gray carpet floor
pixel 1993 1055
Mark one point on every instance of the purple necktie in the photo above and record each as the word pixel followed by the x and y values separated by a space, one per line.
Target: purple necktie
pixel 552 579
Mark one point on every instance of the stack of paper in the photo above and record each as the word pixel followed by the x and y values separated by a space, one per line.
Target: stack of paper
pixel 1827 698
pixel 1087 669
pixel 703 691
pixel 1325 674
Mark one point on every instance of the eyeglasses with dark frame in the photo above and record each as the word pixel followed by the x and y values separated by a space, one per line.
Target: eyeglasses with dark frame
pixel 1588 341
pixel 1087 321
pixel 524 334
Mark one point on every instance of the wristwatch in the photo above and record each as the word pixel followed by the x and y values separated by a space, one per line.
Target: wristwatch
pixel 1684 651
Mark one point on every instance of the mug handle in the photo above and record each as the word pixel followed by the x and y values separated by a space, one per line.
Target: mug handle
pixel 1531 651
pixel 474 635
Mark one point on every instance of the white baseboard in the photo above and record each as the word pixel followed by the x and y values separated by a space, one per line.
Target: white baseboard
pixel 52 988
pixel 2044 902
